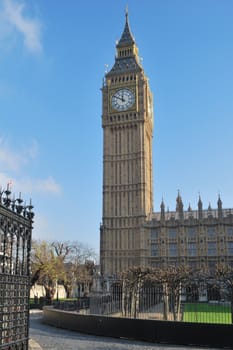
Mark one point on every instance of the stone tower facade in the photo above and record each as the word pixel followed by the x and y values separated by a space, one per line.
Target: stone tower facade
pixel 131 233
pixel 127 121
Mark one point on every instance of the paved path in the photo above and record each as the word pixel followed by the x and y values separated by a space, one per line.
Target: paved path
pixel 51 338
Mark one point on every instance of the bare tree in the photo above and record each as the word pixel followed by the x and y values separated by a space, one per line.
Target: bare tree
pixel 79 267
pixel 66 252
pixel 63 262
pixel 172 279
pixel 46 267
pixel 85 274
pixel 132 283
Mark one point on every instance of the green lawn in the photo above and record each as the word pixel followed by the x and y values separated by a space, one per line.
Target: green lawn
pixel 207 313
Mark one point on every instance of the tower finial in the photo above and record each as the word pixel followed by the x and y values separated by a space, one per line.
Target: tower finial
pixel 126 12
pixel 127 38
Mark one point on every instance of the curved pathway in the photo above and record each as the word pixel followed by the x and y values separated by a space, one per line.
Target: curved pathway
pixel 51 338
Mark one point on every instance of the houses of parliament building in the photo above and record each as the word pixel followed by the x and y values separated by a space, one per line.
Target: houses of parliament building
pixel 131 234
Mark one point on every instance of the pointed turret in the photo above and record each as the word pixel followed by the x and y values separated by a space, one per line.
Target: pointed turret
pixel 209 210
pixel 189 208
pixel 219 207
pixel 190 212
pixel 162 207
pixel 127 58
pixel 179 206
pixel 200 208
pixel 127 38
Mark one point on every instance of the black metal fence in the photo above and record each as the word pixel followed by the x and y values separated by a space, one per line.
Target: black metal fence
pixel 78 305
pixel 197 303
pixel 15 246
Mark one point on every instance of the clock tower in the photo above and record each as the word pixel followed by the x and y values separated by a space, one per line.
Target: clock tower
pixel 127 121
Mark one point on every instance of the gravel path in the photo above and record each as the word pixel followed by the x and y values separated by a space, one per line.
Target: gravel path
pixel 51 338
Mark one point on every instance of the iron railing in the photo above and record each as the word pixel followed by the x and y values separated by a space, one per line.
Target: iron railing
pixel 203 303
pixel 15 247
pixel 199 303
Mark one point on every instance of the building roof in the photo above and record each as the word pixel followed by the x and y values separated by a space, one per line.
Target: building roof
pixel 126 37
pixel 130 62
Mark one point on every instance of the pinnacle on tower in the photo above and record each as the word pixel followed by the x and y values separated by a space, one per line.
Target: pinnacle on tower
pixel 179 202
pixel 162 207
pixel 209 210
pixel 179 206
pixel 199 207
pixel 127 58
pixel 199 203
pixel 219 202
pixel 126 37
pixel 219 207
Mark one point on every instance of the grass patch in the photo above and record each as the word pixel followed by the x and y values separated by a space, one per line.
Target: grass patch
pixel 207 313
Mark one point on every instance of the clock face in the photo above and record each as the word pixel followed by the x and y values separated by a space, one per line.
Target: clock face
pixel 123 99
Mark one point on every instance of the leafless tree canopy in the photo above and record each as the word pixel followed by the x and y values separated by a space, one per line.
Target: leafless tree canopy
pixel 63 262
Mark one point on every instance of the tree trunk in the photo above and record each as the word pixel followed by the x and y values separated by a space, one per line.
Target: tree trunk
pixel 165 301
pixel 132 303
pixel 176 297
pixel 49 293
pixel 68 290
pixel 123 300
pixel 137 299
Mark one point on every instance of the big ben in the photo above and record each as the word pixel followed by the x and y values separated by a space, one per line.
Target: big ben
pixel 127 121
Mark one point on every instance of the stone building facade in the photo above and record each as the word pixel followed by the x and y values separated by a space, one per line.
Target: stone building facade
pixel 131 234
pixel 200 238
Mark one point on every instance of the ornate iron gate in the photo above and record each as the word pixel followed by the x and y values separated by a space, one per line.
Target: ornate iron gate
pixel 15 246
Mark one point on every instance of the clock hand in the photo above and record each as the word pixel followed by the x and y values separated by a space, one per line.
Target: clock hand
pixel 119 98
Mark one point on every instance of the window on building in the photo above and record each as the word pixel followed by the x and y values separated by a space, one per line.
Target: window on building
pixel 212 248
pixel 192 249
pixel 154 234
pixel 211 232
pixel 173 249
pixel 230 231
pixel 172 233
pixel 191 232
pixel 230 248
pixel 154 249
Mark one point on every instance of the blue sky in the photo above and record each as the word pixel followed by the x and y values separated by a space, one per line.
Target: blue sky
pixel 52 62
